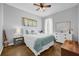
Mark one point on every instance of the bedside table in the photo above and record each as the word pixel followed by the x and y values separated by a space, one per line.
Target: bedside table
pixel 18 40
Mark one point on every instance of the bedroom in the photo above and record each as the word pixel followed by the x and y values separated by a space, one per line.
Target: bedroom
pixel 63 17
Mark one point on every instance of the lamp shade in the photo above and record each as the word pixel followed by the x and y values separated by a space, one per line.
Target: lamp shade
pixel 17 32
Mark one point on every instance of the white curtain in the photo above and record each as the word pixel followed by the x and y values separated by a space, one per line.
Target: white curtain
pixel 49 26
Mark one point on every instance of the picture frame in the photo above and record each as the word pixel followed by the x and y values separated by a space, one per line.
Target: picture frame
pixel 63 26
pixel 29 22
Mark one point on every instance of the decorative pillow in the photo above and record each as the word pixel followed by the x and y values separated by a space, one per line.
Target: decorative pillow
pixel 27 32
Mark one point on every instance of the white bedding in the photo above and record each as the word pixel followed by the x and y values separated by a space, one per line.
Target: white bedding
pixel 30 41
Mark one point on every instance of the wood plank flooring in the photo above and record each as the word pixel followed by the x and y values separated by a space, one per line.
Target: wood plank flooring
pixel 23 50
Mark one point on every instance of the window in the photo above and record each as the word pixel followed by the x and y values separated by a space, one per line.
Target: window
pixel 49 26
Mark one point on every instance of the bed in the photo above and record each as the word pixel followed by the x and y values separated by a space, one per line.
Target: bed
pixel 39 42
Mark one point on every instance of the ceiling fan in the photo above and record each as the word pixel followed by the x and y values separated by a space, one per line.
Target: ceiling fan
pixel 42 6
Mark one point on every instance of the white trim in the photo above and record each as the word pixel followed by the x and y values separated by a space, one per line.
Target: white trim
pixel 1 50
pixel 1 47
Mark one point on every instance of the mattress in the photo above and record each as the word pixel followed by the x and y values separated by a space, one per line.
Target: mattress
pixel 31 39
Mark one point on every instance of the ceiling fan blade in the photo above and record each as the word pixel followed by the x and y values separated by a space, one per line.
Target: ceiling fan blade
pixel 36 4
pixel 47 6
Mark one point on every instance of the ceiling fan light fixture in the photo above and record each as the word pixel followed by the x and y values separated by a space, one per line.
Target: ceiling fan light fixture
pixel 43 9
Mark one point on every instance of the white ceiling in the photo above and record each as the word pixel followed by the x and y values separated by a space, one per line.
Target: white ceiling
pixel 56 7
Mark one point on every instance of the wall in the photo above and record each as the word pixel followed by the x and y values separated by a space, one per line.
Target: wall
pixel 67 15
pixel 13 19
pixel 78 23
pixel 1 17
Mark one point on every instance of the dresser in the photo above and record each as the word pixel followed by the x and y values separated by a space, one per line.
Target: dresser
pixel 61 37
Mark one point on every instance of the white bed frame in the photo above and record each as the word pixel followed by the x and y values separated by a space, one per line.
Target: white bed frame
pixel 30 41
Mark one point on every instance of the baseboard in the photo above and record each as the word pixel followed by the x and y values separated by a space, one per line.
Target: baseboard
pixel 59 42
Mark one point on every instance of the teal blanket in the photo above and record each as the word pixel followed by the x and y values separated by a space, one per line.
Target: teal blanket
pixel 40 42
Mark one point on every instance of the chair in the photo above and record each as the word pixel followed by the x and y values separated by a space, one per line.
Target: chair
pixel 70 44
pixel 5 40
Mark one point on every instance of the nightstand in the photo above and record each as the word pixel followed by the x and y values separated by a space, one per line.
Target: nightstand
pixel 18 40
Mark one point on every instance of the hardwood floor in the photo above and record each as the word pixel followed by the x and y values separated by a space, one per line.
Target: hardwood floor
pixel 53 51
pixel 23 50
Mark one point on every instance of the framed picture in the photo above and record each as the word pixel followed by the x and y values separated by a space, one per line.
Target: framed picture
pixel 29 22
pixel 64 26
pixel 34 23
